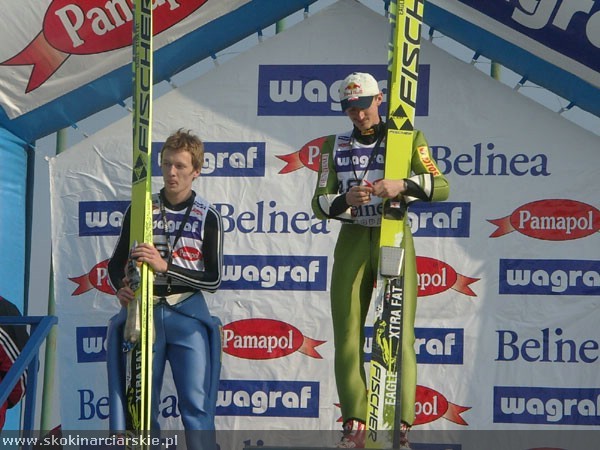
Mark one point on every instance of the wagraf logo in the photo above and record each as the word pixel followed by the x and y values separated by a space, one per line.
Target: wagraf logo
pixel 96 278
pixel 268 218
pixel 440 219
pixel 224 159
pixel 569 27
pixel 551 220
pixel 548 347
pixel 435 276
pixel 312 90
pixel 234 159
pixel 266 339
pixel 559 14
pixel 549 277
pixel 91 344
pixel 439 345
pixel 101 218
pixel 88 28
pixel 278 273
pixel 268 398
pixel 545 405
pixel 432 345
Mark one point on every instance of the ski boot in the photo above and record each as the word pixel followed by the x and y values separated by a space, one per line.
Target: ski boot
pixel 354 434
pixel 404 429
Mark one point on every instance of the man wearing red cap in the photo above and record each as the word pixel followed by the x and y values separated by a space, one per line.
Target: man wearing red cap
pixel 350 188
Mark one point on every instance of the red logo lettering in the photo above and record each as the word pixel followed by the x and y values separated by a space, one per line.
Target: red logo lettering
pixel 551 220
pixel 308 156
pixel 266 339
pixel 90 27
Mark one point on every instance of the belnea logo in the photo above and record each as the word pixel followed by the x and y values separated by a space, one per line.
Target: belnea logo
pixel 435 276
pixel 266 339
pixel 88 28
pixel 551 220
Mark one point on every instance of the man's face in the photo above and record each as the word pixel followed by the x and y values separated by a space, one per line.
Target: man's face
pixel 363 119
pixel 178 174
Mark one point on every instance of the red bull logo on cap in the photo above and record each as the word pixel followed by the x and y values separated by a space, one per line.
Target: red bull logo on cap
pixel 353 90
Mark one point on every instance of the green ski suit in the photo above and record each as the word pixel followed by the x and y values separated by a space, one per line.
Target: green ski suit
pixel 356 258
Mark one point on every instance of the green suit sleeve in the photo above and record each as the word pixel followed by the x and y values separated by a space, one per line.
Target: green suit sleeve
pixel 428 182
pixel 327 187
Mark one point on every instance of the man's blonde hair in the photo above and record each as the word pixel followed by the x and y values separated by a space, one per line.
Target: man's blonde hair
pixel 189 142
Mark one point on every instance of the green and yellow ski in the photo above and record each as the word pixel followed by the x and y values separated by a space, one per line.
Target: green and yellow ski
pixel 384 411
pixel 139 326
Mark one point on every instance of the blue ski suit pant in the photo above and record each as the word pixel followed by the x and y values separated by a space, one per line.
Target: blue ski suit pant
pixel 189 338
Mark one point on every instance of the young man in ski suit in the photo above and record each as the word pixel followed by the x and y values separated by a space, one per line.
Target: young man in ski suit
pixel 186 258
pixel 350 188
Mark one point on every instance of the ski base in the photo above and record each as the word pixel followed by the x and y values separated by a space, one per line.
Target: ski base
pixel 383 416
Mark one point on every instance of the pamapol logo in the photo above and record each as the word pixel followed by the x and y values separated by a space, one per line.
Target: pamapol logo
pixel 307 156
pixel 431 405
pixel 551 220
pixel 435 276
pixel 266 339
pixel 97 278
pixel 90 27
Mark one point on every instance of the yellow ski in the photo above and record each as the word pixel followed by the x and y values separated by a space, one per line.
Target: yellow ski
pixel 139 327
pixel 384 412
